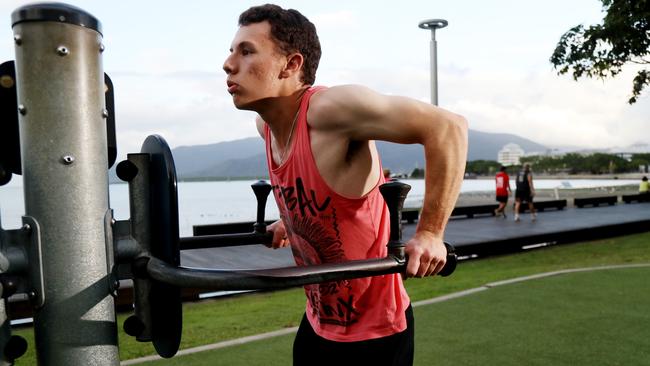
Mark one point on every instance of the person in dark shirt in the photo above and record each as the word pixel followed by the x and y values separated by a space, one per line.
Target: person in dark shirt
pixel 525 192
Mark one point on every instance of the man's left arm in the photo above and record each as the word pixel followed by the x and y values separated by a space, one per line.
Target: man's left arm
pixel 366 115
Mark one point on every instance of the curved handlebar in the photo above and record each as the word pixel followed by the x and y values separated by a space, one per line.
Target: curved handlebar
pixel 276 278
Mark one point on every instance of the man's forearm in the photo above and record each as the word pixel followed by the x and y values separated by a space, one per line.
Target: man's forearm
pixel 444 170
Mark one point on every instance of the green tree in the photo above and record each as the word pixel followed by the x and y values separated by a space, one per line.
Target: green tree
pixel 482 167
pixel 417 173
pixel 601 50
pixel 573 163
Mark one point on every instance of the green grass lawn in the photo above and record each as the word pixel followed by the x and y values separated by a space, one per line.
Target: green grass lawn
pixel 218 320
pixel 587 318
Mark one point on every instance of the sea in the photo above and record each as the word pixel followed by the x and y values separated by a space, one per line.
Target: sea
pixel 217 202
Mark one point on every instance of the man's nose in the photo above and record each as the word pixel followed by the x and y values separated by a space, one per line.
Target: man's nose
pixel 228 65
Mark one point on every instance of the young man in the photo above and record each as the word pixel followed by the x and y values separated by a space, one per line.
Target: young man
pixel 325 173
pixel 503 191
pixel 525 192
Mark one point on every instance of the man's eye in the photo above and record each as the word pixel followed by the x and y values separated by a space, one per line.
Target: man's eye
pixel 246 52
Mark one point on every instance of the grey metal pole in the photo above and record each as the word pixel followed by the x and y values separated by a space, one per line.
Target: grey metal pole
pixel 433 24
pixel 5 326
pixel 60 86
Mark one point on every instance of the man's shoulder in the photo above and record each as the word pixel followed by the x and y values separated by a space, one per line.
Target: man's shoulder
pixel 336 95
pixel 333 105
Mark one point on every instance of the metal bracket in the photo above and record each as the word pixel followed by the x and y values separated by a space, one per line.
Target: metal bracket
pixel 111 268
pixel 20 261
pixel 35 254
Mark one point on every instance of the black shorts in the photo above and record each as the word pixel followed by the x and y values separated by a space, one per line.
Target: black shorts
pixel 393 350
pixel 502 199
pixel 523 196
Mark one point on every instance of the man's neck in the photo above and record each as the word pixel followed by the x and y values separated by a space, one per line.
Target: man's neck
pixel 280 112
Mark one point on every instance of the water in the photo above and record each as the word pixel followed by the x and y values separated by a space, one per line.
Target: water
pixel 221 202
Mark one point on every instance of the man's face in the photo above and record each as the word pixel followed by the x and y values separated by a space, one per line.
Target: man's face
pixel 254 66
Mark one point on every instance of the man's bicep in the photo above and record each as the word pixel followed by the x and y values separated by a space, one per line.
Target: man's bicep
pixel 363 114
pixel 399 119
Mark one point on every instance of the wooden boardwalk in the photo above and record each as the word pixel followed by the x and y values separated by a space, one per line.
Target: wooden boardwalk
pixel 492 235
pixel 484 235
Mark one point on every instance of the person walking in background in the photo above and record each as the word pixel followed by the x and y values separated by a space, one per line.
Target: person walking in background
pixel 503 191
pixel 387 174
pixel 644 187
pixel 525 192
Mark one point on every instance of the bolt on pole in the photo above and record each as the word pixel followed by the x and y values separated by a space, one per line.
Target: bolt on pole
pixel 433 24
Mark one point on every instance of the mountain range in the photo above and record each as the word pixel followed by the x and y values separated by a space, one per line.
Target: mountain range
pixel 246 157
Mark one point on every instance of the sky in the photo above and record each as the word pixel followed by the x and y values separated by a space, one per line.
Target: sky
pixel 165 60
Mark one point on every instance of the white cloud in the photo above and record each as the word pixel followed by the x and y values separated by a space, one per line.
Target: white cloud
pixel 185 108
pixel 338 21
pixel 550 109
pixel 542 106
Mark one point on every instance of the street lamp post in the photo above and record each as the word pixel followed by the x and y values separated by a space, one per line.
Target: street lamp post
pixel 433 24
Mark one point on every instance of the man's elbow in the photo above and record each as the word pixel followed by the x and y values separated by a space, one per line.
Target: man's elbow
pixel 458 132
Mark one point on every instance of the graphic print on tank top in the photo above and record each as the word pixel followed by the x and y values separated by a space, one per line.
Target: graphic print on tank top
pixel 313 244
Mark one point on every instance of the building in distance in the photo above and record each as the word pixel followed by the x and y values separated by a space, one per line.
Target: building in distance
pixel 510 154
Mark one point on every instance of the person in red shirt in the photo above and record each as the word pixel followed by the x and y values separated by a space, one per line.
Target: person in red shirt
pixel 503 191
pixel 325 171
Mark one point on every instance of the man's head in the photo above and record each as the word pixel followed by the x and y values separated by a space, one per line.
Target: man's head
pixel 527 167
pixel 292 32
pixel 503 168
pixel 274 53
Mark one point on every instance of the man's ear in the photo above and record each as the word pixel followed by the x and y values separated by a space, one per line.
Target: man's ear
pixel 293 66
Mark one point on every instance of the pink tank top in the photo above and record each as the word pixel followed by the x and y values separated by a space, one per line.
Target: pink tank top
pixel 325 227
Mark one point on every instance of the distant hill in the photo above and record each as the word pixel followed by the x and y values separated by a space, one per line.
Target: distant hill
pixel 221 159
pixel 245 157
pixel 485 145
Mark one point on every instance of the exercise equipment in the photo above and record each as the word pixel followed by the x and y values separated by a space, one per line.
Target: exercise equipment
pixel 58 131
pixel 158 265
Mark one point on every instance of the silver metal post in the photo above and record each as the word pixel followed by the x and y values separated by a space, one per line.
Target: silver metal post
pixel 5 326
pixel 60 85
pixel 433 24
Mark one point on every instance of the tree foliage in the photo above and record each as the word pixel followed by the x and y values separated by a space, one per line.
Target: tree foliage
pixel 417 173
pixel 571 163
pixel 597 163
pixel 482 167
pixel 602 50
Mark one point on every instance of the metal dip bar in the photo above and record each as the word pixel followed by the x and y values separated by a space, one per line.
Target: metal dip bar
pixel 266 279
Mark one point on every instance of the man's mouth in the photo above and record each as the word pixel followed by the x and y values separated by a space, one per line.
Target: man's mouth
pixel 232 87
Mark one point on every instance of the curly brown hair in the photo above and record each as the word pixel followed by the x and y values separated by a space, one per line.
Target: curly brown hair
pixel 292 31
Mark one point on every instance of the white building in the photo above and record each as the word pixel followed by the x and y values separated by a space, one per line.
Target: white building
pixel 510 154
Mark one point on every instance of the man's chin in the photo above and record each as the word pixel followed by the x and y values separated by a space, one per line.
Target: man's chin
pixel 243 107
pixel 246 105
pixel 239 104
